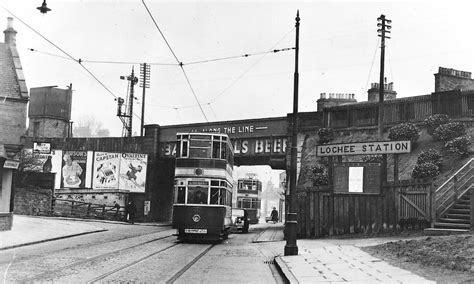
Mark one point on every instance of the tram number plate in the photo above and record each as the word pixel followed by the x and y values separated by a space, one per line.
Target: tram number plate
pixel 196 231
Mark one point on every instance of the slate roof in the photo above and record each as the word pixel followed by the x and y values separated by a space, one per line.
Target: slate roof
pixel 12 83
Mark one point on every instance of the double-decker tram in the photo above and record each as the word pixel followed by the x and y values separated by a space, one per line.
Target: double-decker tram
pixel 203 186
pixel 249 194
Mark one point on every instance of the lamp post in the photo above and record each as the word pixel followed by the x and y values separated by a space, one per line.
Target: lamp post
pixel 291 248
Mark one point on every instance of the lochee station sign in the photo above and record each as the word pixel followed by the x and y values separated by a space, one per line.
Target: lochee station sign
pixel 364 148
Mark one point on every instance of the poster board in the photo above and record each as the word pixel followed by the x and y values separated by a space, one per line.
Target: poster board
pixel 132 175
pixel 106 170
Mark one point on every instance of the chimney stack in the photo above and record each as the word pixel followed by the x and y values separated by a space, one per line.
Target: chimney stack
pixel 10 33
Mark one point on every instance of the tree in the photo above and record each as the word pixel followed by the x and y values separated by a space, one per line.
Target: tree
pixel 89 126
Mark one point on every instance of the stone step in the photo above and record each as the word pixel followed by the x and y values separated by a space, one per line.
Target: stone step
pixel 458 221
pixel 461 206
pixel 438 231
pixel 452 226
pixel 459 211
pixel 457 216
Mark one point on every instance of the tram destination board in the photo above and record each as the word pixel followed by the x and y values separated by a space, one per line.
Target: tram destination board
pixel 364 148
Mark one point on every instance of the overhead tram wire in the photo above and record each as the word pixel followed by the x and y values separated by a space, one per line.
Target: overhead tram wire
pixel 161 63
pixel 239 56
pixel 177 60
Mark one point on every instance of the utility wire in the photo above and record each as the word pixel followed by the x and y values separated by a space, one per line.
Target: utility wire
pixel 192 90
pixel 371 65
pixel 161 63
pixel 51 54
pixel 390 62
pixel 238 56
pixel 177 60
pixel 127 62
pixel 162 35
pixel 62 50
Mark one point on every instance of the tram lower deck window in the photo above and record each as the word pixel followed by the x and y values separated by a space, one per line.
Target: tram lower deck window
pixel 197 195
pixel 180 194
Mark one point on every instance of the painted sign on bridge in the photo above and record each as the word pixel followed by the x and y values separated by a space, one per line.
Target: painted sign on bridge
pixel 364 148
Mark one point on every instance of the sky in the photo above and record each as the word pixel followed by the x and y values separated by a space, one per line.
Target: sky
pixel 339 53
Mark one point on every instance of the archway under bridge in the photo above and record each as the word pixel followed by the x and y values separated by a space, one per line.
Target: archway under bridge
pixel 255 141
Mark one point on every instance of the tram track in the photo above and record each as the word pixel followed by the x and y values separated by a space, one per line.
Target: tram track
pixel 47 274
pixel 170 279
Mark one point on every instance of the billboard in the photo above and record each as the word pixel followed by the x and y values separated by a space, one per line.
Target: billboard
pixel 73 171
pixel 133 172
pixel 106 170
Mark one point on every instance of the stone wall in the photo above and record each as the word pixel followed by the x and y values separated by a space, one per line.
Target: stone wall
pixel 6 221
pixel 32 201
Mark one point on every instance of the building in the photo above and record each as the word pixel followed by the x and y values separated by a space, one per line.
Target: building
pixel 49 112
pixel 13 105
pixel 448 79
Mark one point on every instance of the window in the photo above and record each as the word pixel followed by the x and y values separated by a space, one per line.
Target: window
pixel 180 194
pixel 184 148
pixel 222 197
pixel 214 195
pixel 197 195
pixel 216 149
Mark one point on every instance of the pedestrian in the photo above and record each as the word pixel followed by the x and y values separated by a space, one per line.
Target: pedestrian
pixel 130 210
pixel 274 215
pixel 117 207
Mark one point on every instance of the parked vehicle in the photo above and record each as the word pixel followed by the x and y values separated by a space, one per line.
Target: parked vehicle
pixel 240 220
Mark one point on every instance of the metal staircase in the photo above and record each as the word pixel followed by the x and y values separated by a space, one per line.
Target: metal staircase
pixel 453 202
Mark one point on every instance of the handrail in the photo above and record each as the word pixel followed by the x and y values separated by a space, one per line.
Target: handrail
pixel 445 196
pixel 455 174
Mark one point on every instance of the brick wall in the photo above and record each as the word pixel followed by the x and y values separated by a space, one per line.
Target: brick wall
pixel 6 221
pixel 48 127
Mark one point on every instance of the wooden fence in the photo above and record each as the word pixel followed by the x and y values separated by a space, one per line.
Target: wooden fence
pixel 73 208
pixel 456 104
pixel 322 212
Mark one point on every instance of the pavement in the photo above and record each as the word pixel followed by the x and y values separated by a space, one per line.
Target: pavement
pixel 318 261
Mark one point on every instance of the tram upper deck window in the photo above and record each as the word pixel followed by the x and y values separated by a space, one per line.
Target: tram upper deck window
pixel 216 149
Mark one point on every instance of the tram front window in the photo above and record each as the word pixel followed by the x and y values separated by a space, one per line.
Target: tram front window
pixel 214 195
pixel 197 195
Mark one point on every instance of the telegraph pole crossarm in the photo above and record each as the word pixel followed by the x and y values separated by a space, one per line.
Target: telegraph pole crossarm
pixel 291 248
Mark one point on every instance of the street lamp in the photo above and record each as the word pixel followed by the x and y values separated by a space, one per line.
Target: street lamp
pixel 291 248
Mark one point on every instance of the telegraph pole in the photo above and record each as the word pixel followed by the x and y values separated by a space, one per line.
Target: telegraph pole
pixel 291 248
pixel 384 28
pixel 145 83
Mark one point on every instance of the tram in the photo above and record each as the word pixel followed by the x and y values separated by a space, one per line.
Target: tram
pixel 203 186
pixel 249 195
